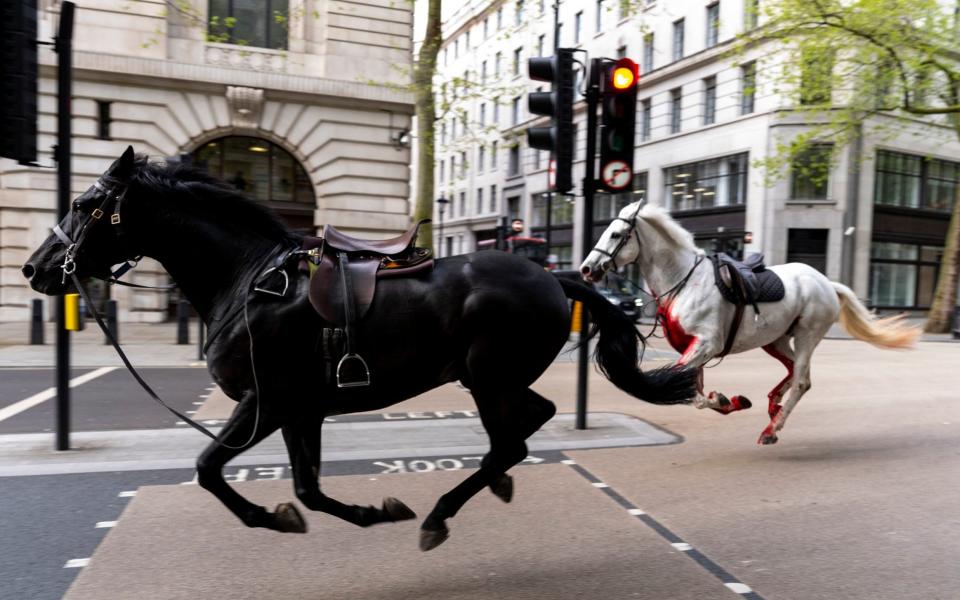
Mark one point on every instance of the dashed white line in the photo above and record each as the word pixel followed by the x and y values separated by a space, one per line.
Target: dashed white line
pixel 599 484
pixel 682 546
pixel 127 494
pixel 105 524
pixel 740 588
pixel 568 462
pixel 635 512
pixel 76 563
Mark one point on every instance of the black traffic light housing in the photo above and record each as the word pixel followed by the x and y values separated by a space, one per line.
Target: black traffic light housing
pixel 18 80
pixel 557 103
pixel 618 100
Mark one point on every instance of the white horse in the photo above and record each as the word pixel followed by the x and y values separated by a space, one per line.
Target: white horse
pixel 697 320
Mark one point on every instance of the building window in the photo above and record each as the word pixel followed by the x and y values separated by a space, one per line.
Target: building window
pixel 493 198
pixel 713 24
pixel 647 53
pixel 497 64
pixel 540 41
pixel 463 204
pixel 463 164
pixel 513 168
pixel 483 115
pixel 903 275
pixel 621 52
pixel 499 18
pixel 577 27
pixel 808 246
pixel 678 39
pixel 442 171
pixel 481 158
pixel 748 87
pixel 515 111
pixel 810 173
pixel 561 210
pixel 483 72
pixel 519 13
pixel 816 76
pixel 493 156
pixel 453 173
pixel 706 184
pixel 456 48
pixel 599 16
pixel 751 14
pixel 257 23
pixel 709 100
pixel 486 27
pixel 517 59
pixel 103 120
pixel 645 115
pixel 479 200
pixel 676 108
pixel 264 172
pixel 911 181
pixel 466 41
pixel 607 207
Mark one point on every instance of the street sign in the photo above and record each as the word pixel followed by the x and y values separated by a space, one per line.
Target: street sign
pixel 616 175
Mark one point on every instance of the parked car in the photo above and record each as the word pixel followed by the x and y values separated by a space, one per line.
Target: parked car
pixel 619 292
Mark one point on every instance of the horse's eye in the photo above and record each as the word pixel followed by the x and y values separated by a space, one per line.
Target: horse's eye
pixel 615 236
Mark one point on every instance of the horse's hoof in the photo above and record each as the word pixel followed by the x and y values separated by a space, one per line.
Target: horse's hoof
pixel 288 519
pixel 767 439
pixel 729 405
pixel 503 488
pixel 397 510
pixel 430 539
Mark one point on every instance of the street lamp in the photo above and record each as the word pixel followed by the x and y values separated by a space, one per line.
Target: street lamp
pixel 443 202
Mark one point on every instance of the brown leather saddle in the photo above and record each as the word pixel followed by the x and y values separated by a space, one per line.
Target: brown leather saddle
pixel 344 271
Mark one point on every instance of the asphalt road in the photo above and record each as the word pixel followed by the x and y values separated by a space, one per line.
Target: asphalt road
pixel 858 501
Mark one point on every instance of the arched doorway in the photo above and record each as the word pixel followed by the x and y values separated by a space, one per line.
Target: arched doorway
pixel 263 171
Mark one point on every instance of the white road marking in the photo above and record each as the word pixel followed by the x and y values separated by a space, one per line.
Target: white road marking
pixel 740 588
pixel 569 461
pixel 599 484
pixel 105 524
pixel 683 547
pixel 28 403
pixel 76 563
pixel 635 512
pixel 128 494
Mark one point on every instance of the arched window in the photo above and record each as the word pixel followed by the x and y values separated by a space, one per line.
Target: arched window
pixel 263 171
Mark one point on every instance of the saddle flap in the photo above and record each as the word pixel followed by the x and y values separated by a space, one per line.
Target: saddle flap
pixel 326 288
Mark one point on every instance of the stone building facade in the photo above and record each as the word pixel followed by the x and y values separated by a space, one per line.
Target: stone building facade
pixel 300 103
pixel 878 222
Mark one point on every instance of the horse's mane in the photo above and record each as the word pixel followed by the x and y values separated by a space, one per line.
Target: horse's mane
pixel 658 217
pixel 213 195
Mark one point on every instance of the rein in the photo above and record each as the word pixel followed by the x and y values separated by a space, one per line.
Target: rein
pixel 69 268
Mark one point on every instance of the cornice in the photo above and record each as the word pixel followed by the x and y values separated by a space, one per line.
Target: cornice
pixel 162 73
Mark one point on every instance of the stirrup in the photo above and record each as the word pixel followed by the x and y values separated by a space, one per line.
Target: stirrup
pixel 350 384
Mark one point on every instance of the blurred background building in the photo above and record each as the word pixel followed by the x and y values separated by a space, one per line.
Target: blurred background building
pixel 289 100
pixel 877 222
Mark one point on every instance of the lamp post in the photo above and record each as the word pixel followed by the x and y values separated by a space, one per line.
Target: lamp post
pixel 443 202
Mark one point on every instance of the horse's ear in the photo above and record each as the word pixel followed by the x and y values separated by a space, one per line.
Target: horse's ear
pixel 122 168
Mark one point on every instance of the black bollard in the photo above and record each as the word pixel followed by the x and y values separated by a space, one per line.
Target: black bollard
pixel 183 322
pixel 200 335
pixel 112 321
pixel 36 322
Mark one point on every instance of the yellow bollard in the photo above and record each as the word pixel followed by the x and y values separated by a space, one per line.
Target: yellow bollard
pixel 576 317
pixel 71 305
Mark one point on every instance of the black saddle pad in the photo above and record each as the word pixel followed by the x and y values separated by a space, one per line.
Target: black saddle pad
pixel 769 287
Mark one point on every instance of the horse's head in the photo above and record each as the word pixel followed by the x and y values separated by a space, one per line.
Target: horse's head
pixel 619 245
pixel 86 241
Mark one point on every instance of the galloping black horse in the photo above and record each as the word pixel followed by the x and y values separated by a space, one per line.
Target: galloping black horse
pixel 489 320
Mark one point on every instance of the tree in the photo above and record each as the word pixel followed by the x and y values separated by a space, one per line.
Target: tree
pixel 426 112
pixel 852 61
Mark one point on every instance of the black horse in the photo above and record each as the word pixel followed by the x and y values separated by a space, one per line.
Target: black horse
pixel 489 320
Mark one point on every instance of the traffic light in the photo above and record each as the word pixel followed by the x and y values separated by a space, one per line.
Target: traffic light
pixel 18 81
pixel 557 103
pixel 618 96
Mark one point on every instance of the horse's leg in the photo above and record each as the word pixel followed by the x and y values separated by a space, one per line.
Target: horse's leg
pixel 238 431
pixel 781 350
pixel 303 446
pixel 805 342
pixel 696 355
pixel 509 420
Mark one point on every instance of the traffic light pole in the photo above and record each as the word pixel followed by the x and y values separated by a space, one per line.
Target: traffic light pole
pixel 589 186
pixel 64 50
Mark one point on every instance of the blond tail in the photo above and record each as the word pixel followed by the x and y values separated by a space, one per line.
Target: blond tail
pixel 863 324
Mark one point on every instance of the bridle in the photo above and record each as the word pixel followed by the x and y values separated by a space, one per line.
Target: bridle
pixel 114 193
pixel 632 222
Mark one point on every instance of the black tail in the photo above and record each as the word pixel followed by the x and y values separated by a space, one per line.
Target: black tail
pixel 617 352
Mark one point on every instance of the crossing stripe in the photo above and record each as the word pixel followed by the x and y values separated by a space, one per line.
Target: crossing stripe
pixel 34 400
